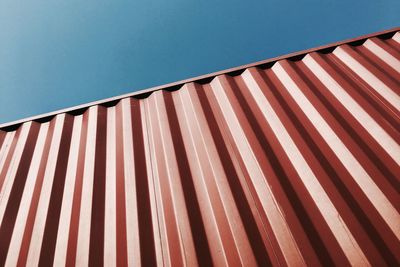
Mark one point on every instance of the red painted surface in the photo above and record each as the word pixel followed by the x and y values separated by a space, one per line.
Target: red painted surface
pixel 294 163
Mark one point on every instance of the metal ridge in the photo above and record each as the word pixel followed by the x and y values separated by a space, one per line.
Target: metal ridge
pixel 176 85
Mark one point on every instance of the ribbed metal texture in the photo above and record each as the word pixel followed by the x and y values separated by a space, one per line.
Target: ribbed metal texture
pixel 291 164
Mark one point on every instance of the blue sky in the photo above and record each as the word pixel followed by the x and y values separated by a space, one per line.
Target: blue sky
pixel 57 54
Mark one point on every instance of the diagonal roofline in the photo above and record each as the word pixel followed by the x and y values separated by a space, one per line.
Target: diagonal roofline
pixel 9 126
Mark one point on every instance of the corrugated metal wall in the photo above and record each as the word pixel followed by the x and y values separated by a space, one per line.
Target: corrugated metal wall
pixel 291 164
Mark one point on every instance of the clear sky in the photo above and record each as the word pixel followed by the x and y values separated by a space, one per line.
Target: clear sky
pixel 57 54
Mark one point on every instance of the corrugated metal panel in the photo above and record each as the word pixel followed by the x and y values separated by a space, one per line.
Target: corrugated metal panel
pixel 295 163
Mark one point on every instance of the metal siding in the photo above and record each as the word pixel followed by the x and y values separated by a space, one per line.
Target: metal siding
pixel 296 163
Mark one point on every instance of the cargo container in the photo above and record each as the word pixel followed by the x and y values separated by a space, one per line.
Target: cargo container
pixel 291 161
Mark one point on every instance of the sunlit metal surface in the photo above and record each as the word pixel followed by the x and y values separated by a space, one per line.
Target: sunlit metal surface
pixel 295 162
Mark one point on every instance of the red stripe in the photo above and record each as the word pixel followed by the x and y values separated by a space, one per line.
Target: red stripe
pixel 96 248
pixel 122 253
pixel 75 213
pixel 53 214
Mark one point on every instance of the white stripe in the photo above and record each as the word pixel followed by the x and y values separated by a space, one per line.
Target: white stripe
pixel 132 226
pixel 41 215
pixel 368 77
pixel 18 232
pixel 371 190
pixel 396 37
pixel 162 168
pixel 153 189
pixel 382 54
pixel 82 251
pixel 68 195
pixel 369 124
pixel 110 222
pixel 12 169
pixel 318 194
pixel 5 149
